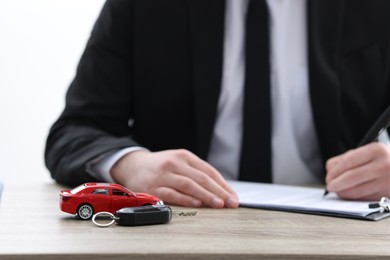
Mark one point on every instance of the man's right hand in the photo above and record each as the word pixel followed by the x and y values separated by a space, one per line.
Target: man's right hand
pixel 176 176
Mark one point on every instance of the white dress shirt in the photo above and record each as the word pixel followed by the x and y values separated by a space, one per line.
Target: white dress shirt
pixel 295 153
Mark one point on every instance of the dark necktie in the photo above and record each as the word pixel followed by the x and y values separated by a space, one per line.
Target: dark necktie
pixel 255 162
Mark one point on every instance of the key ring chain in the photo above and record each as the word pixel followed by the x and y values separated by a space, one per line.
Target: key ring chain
pixel 104 213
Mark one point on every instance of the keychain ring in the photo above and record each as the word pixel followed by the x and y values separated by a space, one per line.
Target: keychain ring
pixel 105 214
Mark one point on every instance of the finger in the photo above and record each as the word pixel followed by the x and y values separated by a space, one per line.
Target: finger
pixel 206 182
pixel 332 162
pixel 213 173
pixel 367 181
pixel 331 168
pixel 216 194
pixel 349 160
pixel 171 196
pixel 188 186
pixel 352 178
pixel 364 191
pixel 355 158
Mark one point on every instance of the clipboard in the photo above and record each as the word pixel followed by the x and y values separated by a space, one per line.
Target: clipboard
pixel 304 200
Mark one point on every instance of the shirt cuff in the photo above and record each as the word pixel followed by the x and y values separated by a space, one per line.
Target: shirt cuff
pixel 100 167
pixel 384 138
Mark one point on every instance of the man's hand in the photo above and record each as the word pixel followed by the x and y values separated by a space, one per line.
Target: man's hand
pixel 360 174
pixel 176 176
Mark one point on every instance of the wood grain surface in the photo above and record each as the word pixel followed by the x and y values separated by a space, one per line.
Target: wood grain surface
pixel 32 226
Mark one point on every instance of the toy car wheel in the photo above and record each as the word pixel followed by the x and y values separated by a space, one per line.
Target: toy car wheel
pixel 85 211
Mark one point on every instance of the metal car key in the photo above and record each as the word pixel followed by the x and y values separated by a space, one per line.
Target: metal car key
pixel 144 215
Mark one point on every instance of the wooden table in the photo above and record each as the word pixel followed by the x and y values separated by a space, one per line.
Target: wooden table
pixel 33 227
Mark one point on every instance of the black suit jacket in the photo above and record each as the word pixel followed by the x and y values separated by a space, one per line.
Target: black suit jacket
pixel 151 76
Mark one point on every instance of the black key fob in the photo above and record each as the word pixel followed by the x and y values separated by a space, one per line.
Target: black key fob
pixel 136 216
pixel 144 215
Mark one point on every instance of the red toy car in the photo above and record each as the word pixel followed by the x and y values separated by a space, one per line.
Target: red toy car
pixel 90 198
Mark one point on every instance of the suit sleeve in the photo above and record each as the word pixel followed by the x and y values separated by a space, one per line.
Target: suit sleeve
pixel 98 102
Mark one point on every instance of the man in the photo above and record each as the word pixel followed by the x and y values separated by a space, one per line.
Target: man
pixel 161 95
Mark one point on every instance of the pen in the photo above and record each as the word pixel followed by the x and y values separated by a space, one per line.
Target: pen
pixel 380 125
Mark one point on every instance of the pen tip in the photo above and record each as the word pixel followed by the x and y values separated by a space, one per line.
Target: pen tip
pixel 325 193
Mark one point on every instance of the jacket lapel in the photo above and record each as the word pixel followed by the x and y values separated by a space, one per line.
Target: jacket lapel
pixel 206 41
pixel 324 41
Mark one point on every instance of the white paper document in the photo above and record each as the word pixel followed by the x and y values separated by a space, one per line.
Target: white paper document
pixel 302 199
pixel 1 189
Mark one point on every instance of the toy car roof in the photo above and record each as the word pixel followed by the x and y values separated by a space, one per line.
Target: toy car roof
pixel 100 184
pixel 96 184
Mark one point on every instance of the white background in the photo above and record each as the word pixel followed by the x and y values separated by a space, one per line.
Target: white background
pixel 41 42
